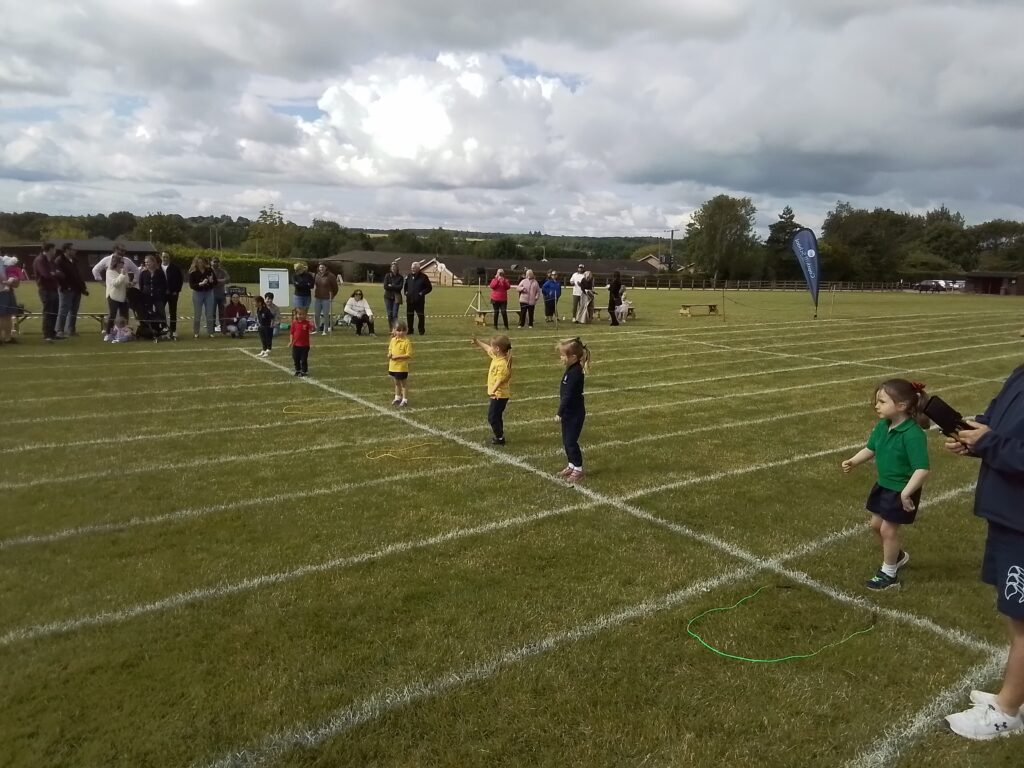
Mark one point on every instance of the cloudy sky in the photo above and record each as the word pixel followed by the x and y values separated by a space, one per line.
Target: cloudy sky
pixel 572 116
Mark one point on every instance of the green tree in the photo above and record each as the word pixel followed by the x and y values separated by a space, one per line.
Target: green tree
pixel 720 239
pixel 780 263
pixel 162 228
pixel 272 234
pixel 64 229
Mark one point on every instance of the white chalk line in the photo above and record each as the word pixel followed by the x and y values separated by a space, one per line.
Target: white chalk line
pixel 154 436
pixel 204 407
pixel 887 749
pixel 205 461
pixel 622 505
pixel 226 589
pixel 199 512
pixel 566 329
pixel 105 394
pixel 798 414
pixel 382 702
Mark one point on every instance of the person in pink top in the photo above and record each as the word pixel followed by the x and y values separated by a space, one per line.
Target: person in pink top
pixel 499 296
pixel 529 295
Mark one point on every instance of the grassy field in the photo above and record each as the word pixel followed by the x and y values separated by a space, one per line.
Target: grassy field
pixel 207 562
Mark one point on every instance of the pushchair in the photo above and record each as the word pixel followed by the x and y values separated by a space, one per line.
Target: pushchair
pixel 150 316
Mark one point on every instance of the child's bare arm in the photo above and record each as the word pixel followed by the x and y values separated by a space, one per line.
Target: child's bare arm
pixel 864 454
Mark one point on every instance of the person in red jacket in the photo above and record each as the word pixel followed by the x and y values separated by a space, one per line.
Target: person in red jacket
pixel 499 296
pixel 300 330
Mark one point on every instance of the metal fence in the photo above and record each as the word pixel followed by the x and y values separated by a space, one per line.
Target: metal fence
pixel 667 282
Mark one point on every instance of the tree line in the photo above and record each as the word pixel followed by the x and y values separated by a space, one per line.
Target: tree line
pixel 720 241
pixel 855 244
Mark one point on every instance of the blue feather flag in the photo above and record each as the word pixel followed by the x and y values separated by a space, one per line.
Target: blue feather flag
pixel 805 246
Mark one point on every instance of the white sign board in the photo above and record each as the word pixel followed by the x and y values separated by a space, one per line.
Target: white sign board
pixel 275 281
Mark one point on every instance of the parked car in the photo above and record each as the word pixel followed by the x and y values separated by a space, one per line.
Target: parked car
pixel 932 286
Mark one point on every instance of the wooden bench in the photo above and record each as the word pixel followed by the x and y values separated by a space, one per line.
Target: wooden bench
pixel 685 309
pixel 99 317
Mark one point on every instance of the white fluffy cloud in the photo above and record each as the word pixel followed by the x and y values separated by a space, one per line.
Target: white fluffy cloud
pixel 588 116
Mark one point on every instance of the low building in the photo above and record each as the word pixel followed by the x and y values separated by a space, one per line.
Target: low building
pixel 89 252
pixel 997 283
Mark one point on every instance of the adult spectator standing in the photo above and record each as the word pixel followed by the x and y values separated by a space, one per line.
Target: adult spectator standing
pixel 48 278
pixel 614 297
pixel 577 292
pixel 997 438
pixel 529 295
pixel 202 280
pixel 101 266
pixel 552 291
pixel 220 297
pixel 393 284
pixel 174 280
pixel 72 288
pixel 325 289
pixel 417 286
pixel 8 300
pixel 358 310
pixel 304 284
pixel 117 281
pixel 500 286
pixel 153 286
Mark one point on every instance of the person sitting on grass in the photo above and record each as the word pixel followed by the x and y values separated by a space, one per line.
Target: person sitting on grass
pixel 358 312
pixel 236 317
pixel 121 332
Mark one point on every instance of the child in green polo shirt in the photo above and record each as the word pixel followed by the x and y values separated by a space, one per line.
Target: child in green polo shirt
pixel 900 449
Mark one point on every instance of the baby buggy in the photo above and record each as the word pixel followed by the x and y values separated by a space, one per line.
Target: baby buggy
pixel 150 316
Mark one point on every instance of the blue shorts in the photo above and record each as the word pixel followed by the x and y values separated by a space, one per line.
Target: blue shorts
pixel 889 506
pixel 399 375
pixel 1003 568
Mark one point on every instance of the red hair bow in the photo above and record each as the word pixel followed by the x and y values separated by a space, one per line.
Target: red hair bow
pixel 918 386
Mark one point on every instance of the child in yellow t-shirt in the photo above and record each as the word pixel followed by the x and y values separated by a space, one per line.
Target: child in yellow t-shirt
pixel 498 377
pixel 399 353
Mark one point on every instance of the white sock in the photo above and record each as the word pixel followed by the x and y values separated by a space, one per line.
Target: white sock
pixel 571 465
pixel 889 570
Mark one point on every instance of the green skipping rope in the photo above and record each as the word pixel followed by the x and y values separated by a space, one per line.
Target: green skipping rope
pixel 793 657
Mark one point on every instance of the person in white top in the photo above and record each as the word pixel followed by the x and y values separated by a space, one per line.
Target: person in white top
pixel 358 313
pixel 117 290
pixel 577 292
pixel 104 264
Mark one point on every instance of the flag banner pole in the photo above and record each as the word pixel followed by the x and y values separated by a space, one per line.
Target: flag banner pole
pixel 805 248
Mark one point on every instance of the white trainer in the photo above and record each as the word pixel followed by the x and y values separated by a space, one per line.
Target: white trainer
pixel 986 698
pixel 983 722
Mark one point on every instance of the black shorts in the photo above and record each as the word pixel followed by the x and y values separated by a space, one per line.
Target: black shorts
pixel 889 506
pixel 399 375
pixel 1003 568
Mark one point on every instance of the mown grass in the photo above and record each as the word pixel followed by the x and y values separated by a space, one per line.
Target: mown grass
pixel 201 555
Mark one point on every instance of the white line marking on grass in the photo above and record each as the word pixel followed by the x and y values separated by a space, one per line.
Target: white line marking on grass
pixel 226 589
pixel 615 443
pixel 721 475
pixel 624 506
pixel 888 748
pixel 118 439
pixel 204 407
pixel 376 705
pixel 101 394
pixel 204 461
pixel 197 512
pixel 185 349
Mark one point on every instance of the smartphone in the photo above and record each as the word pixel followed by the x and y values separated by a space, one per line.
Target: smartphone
pixel 949 419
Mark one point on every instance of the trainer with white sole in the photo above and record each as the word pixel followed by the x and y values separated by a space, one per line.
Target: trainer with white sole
pixel 997 438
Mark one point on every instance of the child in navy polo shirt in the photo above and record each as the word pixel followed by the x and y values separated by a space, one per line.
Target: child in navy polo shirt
pixel 571 409
pixel 900 449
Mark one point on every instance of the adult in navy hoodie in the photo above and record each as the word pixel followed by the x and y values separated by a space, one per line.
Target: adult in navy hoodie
pixel 997 438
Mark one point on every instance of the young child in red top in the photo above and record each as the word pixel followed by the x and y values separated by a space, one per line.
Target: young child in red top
pixel 300 330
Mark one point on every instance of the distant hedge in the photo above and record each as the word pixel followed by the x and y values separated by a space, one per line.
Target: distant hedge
pixel 242 267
